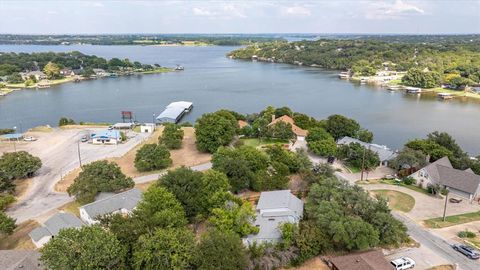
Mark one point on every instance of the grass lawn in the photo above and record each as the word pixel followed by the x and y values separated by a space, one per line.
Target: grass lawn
pixel 71 207
pixel 451 220
pixel 157 70
pixel 257 142
pixel 19 239
pixel 397 200
pixel 354 169
pixel 393 182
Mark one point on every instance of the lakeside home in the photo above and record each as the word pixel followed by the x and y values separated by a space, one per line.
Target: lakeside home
pixel 383 152
pixel 106 137
pixel 41 235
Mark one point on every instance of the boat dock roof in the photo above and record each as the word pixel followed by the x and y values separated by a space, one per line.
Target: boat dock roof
pixel 174 112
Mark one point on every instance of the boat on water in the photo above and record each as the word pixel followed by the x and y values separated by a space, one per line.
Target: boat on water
pixel 344 75
pixel 363 81
pixel 445 96
pixel 413 90
pixel 179 68
pixel 113 75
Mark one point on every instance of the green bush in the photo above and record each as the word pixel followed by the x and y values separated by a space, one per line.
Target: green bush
pixel 172 136
pixel 466 234
pixel 5 200
pixel 409 180
pixel 65 121
pixel 152 157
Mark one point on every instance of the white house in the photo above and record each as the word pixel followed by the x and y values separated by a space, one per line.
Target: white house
pixel 106 137
pixel 383 152
pixel 41 235
pixel 463 183
pixel 273 209
pixel 123 203
pixel 147 128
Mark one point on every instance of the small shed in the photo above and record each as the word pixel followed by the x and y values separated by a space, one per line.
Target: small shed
pixel 147 128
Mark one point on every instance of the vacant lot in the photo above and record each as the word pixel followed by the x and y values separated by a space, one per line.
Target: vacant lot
pixel 397 200
pixel 312 264
pixel 19 239
pixel 257 142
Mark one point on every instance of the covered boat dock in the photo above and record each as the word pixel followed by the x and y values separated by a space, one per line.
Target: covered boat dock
pixel 174 112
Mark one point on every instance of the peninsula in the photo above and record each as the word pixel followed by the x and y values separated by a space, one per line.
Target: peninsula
pixel 42 70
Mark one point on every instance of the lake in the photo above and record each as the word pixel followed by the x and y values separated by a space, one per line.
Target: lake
pixel 212 81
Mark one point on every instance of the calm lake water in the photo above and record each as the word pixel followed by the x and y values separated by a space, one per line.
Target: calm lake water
pixel 212 81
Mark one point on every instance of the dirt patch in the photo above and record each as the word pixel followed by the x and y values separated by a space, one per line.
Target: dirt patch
pixel 188 155
pixel 144 186
pixel 312 264
pixel 442 267
pixel 19 239
pixel 21 187
pixel 67 180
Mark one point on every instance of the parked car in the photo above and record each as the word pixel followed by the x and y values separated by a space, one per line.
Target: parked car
pixel 84 138
pixel 403 263
pixel 467 251
pixel 29 139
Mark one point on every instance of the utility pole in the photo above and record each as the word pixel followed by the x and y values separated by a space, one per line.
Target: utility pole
pixel 79 157
pixel 153 118
pixel 445 207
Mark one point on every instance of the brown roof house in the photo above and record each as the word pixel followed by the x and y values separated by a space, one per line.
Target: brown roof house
pixel 464 183
pixel 299 132
pixel 242 123
pixel 368 260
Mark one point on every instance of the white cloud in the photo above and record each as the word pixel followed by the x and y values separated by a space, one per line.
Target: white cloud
pixel 202 12
pixel 296 11
pixel 396 10
pixel 98 4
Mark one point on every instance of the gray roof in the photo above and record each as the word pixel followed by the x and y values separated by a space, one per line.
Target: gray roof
pixel 384 153
pixel 174 110
pixel 273 209
pixel 442 172
pixel 20 259
pixel 53 225
pixel 280 199
pixel 124 200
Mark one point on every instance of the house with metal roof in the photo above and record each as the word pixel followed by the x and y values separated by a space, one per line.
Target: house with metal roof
pixel 12 137
pixel 463 183
pixel 106 137
pixel 41 235
pixel 123 203
pixel 174 112
pixel 384 153
pixel 274 208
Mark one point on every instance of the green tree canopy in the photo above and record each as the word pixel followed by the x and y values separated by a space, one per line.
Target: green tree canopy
pixel 165 249
pixel 152 157
pixel 355 155
pixel 18 165
pixel 214 130
pixel 324 148
pixel 89 247
pixel 7 224
pixel 220 250
pixel 408 158
pixel 98 176
pixel 340 126
pixel 280 130
pixel 234 218
pixel 172 136
pixel 419 78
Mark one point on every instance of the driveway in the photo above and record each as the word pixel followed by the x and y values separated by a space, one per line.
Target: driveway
pixel 426 206
pixel 58 151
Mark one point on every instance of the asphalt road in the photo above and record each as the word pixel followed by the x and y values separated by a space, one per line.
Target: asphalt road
pixel 437 244
pixel 155 176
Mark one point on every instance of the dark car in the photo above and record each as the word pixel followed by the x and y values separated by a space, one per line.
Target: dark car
pixel 467 251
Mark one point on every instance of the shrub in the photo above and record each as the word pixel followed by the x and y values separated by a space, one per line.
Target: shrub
pixel 466 234
pixel 409 180
pixel 5 200
pixel 65 121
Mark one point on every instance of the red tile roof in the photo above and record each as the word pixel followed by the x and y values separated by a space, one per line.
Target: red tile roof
pixel 287 119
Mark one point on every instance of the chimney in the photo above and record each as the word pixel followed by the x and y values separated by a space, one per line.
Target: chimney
pixel 273 117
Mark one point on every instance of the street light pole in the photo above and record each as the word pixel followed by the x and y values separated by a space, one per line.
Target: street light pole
pixel 79 157
pixel 445 207
pixel 153 118
pixel 363 163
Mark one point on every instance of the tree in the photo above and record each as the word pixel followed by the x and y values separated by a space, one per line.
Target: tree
pixel 391 231
pixel 233 164
pixel 317 134
pixel 340 126
pixel 273 178
pixel 281 155
pixel 172 136
pixel 152 157
pixel 408 158
pixel 7 224
pixel 234 218
pixel 324 148
pixel 88 247
pixel 170 248
pixel 65 121
pixel 365 135
pixel 357 156
pixel 6 200
pixel 311 240
pixel 15 78
pixel 213 130
pixel 431 148
pixel 186 185
pixel 304 121
pixel 159 208
pixel 353 234
pixel 419 78
pixel 279 112
pixel 364 68
pixel 214 191
pixel 220 250
pixel 280 130
pixel 98 176
pixel 17 165
pixel 52 70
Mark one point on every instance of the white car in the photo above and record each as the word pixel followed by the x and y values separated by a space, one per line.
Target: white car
pixel 403 263
pixel 29 139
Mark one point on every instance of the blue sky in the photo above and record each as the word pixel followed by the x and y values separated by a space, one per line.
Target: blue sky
pixel 248 16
